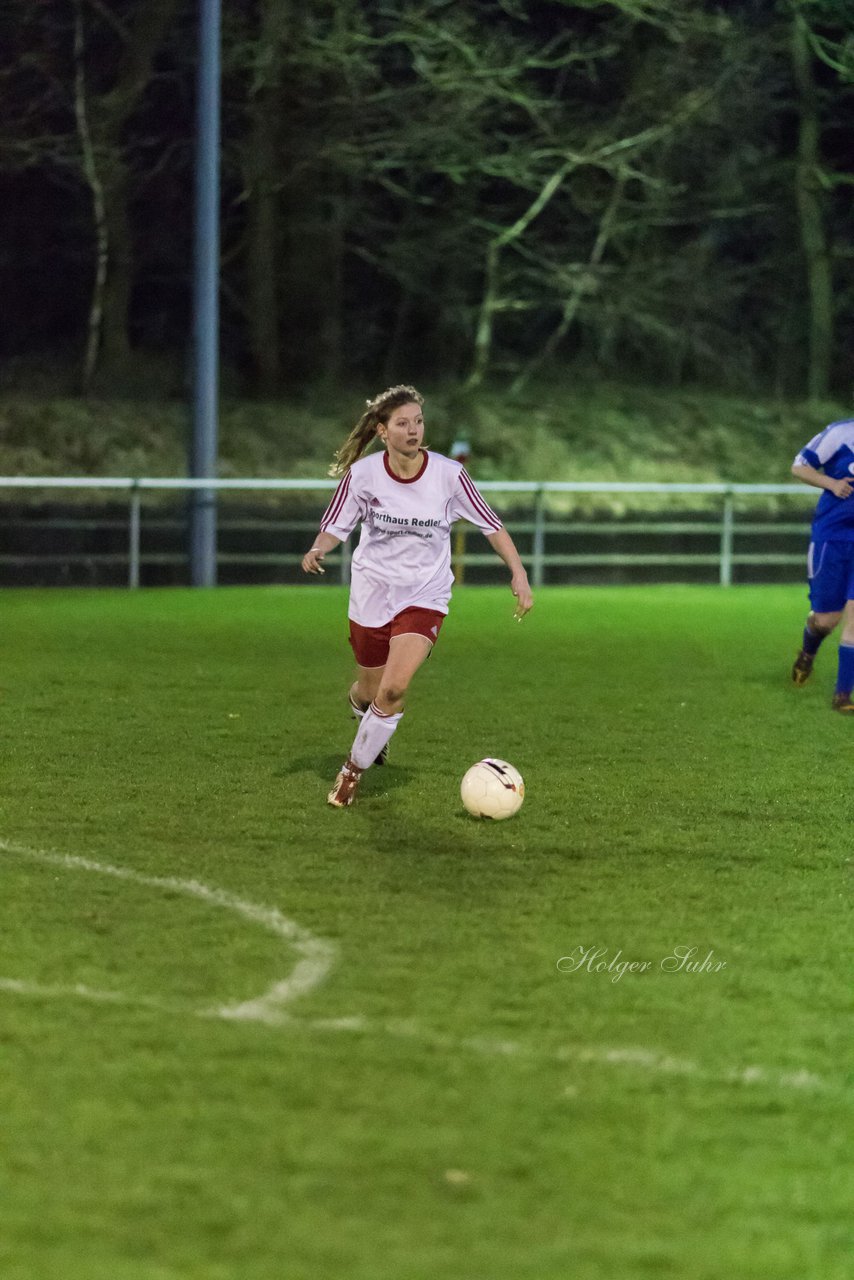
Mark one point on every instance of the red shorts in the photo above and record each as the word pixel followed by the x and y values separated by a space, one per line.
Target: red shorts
pixel 370 644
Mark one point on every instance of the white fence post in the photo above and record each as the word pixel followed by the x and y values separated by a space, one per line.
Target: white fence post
pixel 134 533
pixel 727 533
pixel 539 545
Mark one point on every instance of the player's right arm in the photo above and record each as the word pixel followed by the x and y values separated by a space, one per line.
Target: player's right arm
pixel 841 488
pixel 312 560
pixel 339 520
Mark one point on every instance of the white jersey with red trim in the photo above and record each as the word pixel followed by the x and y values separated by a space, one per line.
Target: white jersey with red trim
pixel 403 559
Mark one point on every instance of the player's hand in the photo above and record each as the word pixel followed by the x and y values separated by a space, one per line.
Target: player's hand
pixel 521 589
pixel 311 561
pixel 842 488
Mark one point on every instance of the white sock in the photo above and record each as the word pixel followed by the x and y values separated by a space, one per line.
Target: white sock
pixel 356 708
pixel 373 733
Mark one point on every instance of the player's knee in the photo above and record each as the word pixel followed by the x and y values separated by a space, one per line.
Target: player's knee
pixel 361 695
pixel 391 694
pixel 822 624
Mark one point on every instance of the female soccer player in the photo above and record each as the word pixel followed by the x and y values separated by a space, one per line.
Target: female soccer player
pixel 406 499
pixel 827 462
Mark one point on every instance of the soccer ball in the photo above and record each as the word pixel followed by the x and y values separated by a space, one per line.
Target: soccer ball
pixel 492 789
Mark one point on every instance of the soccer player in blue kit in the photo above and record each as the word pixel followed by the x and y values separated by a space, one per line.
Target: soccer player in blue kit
pixel 827 463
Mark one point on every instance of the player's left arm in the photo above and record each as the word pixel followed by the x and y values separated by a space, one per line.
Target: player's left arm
pixel 504 546
pixel 841 488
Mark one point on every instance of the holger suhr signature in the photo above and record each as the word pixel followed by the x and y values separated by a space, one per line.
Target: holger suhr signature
pixel 682 959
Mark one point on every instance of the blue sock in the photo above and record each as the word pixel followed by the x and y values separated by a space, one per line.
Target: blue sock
pixel 845 677
pixel 812 640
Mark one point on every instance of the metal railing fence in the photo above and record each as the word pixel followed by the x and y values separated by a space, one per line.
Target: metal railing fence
pixel 725 527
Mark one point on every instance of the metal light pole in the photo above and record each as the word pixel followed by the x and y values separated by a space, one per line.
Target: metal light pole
pixel 203 452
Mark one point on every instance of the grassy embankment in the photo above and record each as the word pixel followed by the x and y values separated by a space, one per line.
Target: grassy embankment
pixel 604 432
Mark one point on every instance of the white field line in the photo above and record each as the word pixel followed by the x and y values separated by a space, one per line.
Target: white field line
pixel 316 958
pixel 79 991
pixel 633 1058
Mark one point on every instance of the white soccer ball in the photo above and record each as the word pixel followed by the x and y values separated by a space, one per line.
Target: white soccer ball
pixel 492 789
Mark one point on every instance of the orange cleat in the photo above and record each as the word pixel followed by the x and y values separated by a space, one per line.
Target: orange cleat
pixel 346 784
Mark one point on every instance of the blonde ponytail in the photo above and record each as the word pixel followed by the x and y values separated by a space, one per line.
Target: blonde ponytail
pixel 377 413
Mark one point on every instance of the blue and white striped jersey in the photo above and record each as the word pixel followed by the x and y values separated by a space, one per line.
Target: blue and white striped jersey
pixel 832 451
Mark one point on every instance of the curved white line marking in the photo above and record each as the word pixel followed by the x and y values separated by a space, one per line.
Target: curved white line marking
pixel 316 955
pixel 601 1055
pixel 79 990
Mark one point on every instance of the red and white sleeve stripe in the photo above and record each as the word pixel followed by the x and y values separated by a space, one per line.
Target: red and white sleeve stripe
pixel 335 507
pixel 487 516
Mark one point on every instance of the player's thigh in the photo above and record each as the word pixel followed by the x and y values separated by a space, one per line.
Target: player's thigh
pixel 848 613
pixel 830 568
pixel 368 681
pixel 405 655
pixel 846 635
pixel 369 645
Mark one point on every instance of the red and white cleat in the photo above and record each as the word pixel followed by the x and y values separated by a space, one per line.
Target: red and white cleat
pixel 345 786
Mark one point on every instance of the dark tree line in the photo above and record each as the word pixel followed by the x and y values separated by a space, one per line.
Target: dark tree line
pixel 428 187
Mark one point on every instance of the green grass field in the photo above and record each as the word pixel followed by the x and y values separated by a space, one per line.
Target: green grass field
pixel 247 1037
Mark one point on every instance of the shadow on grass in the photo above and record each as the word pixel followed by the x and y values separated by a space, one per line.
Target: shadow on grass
pixel 387 777
pixel 405 836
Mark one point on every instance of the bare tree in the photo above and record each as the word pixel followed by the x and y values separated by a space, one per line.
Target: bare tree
pixel 102 117
pixel 99 213
pixel 810 202
pixel 581 281
pixel 272 47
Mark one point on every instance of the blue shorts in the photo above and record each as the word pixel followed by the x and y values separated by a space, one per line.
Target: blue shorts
pixel 830 568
